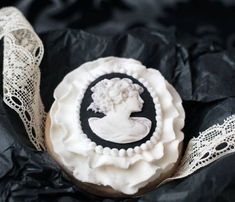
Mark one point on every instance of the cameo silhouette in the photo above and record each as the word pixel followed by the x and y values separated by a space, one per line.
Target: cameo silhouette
pixel 117 99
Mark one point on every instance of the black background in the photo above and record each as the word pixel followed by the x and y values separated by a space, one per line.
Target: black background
pixel 191 43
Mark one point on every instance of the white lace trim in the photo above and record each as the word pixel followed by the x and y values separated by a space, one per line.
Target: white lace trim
pixel 23 51
pixel 210 145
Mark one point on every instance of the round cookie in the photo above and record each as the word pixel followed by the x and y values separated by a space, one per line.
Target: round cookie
pixel 115 127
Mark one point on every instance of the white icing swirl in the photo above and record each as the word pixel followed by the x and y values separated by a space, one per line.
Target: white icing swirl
pixel 124 170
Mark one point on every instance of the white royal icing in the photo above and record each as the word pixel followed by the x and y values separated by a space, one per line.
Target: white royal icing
pixel 124 170
pixel 117 99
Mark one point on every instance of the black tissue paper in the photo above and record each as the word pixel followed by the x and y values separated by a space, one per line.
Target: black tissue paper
pixel 200 67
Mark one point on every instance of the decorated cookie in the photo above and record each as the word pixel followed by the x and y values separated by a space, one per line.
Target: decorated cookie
pixel 115 127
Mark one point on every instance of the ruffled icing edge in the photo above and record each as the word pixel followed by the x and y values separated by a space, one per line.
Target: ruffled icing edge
pixel 133 172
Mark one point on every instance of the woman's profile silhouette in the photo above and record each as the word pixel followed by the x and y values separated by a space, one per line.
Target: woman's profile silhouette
pixel 117 99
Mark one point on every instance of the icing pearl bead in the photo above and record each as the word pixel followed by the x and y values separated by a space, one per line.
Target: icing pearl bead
pixel 143 147
pixel 79 99
pixel 130 152
pixel 97 75
pixel 122 152
pixel 159 113
pixel 83 135
pixel 137 149
pixel 129 73
pixel 154 94
pixel 122 70
pixel 158 117
pixel 83 89
pixel 86 83
pixel 79 126
pixel 156 101
pixel 157 110
pixel 87 140
pixel 158 130
pixel 146 84
pixel 157 104
pixel 106 151
pixel 92 145
pixel 102 72
pixel 142 80
pixel 155 134
pixel 150 90
pixel 153 139
pixel 108 71
pixel 116 68
pixel 159 123
pixel 135 75
pixel 99 149
pixel 149 144
pixel 114 152
pixel 90 79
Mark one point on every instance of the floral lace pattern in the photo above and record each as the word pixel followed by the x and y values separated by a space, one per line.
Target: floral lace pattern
pixel 210 145
pixel 23 51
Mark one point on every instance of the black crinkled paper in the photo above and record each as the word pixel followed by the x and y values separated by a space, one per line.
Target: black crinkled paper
pixel 200 68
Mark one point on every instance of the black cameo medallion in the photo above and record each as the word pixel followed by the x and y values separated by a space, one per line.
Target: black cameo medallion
pixel 117 111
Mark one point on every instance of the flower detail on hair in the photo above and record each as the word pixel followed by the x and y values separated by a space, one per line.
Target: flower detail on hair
pixel 108 93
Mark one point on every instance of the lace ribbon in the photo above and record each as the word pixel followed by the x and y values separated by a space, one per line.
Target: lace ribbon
pixel 210 145
pixel 23 51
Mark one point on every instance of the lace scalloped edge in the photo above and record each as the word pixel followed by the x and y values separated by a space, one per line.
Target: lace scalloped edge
pixel 23 51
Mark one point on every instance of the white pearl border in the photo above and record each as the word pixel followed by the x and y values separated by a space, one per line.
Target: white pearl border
pixel 130 151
